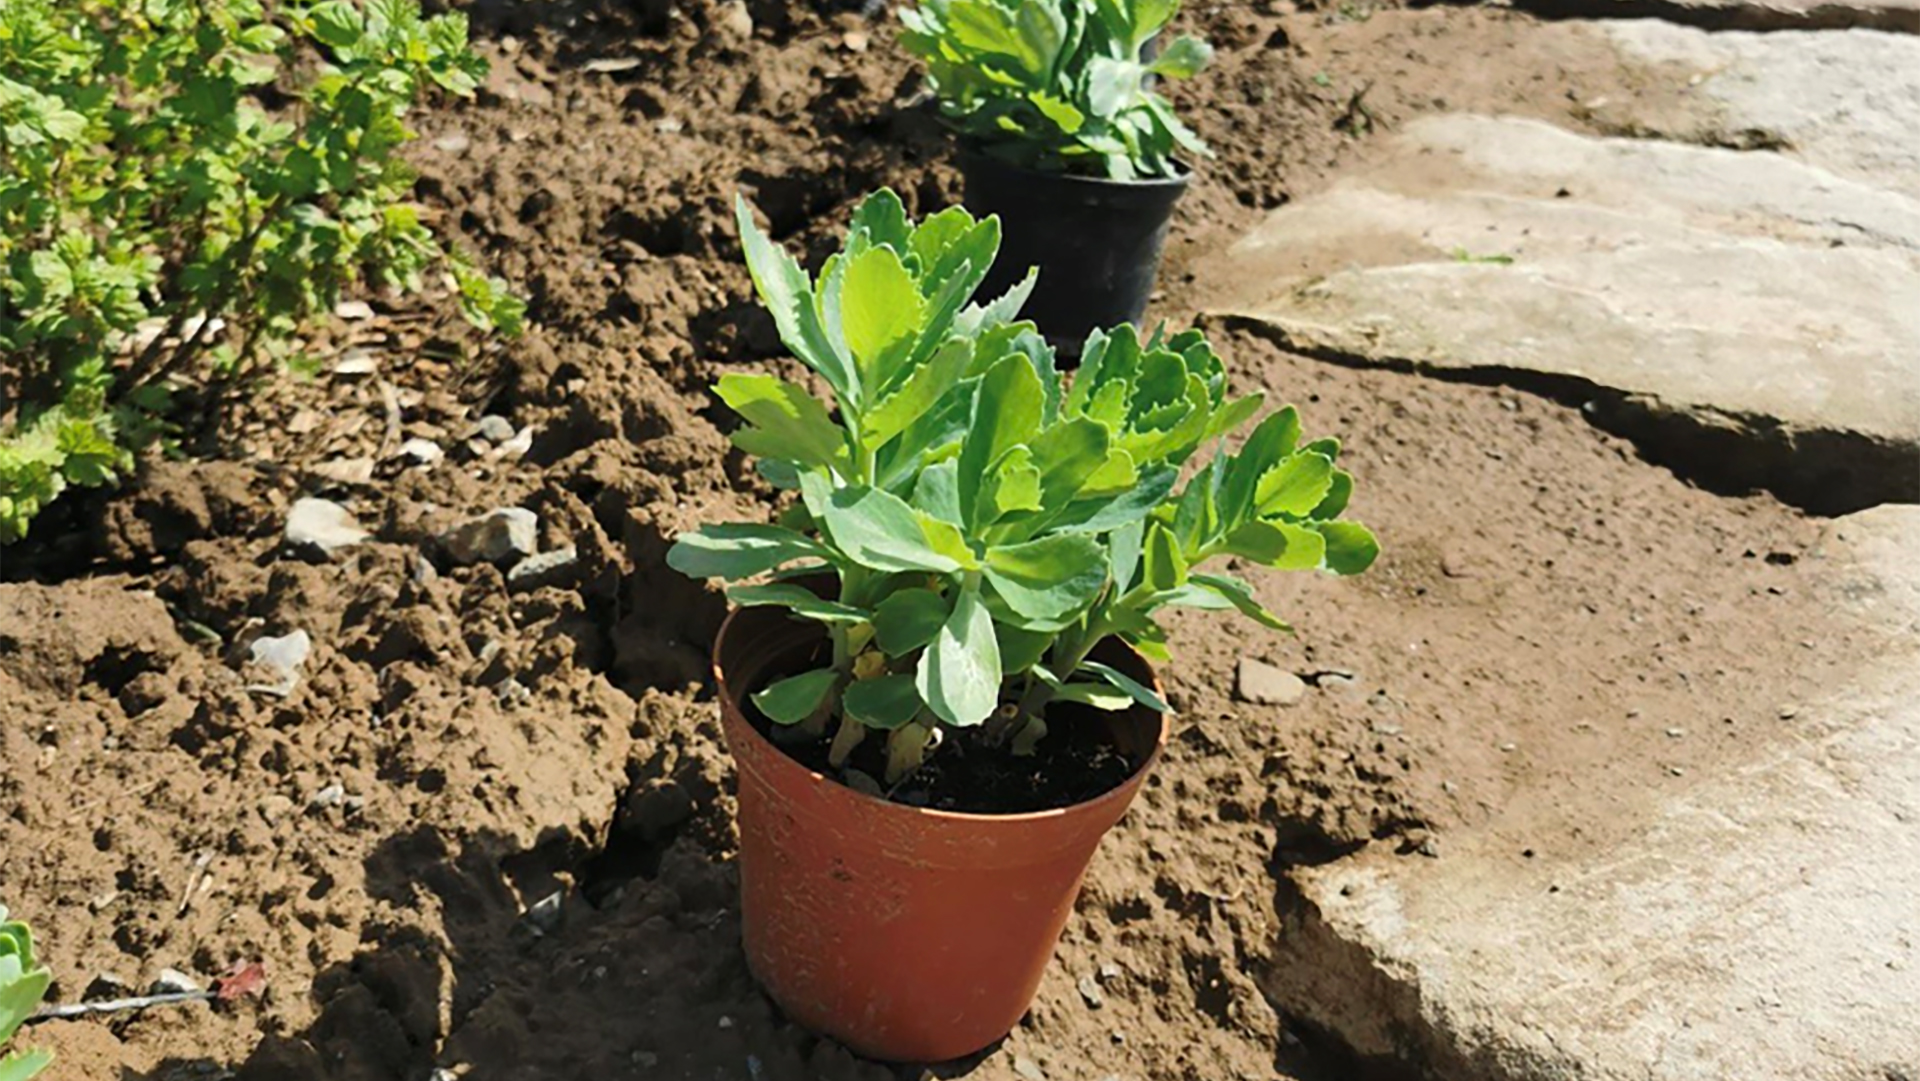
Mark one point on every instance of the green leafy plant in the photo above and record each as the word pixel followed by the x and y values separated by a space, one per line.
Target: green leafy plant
pixel 987 521
pixel 1059 85
pixel 186 182
pixel 23 983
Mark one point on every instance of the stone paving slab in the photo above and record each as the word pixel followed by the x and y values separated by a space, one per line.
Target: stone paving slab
pixel 1848 101
pixel 1762 924
pixel 1896 15
pixel 1743 314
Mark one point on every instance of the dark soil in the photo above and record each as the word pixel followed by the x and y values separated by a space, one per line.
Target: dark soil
pixel 489 832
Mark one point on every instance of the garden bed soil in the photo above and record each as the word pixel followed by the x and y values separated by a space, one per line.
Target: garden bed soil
pixel 489 829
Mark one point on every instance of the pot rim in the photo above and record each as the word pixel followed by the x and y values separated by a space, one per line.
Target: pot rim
pixel 970 151
pixel 1121 793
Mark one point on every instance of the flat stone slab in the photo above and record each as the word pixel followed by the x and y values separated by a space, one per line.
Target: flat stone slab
pixel 1898 15
pixel 1761 923
pixel 1746 316
pixel 1847 101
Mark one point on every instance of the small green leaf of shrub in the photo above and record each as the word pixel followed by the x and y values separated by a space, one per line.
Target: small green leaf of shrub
pixel 23 983
pixel 186 185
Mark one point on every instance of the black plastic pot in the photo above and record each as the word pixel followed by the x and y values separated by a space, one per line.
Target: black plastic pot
pixel 1097 242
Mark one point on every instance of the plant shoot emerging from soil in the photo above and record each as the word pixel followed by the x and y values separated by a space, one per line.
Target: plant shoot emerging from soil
pixel 185 184
pixel 23 983
pixel 1059 85
pixel 989 523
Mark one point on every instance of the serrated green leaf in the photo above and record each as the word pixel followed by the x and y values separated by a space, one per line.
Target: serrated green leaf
pixel 1006 412
pixel 886 702
pixel 917 394
pixel 1166 567
pixel 738 550
pixel 1295 486
pixel 1138 691
pixel 785 422
pixel 795 698
pixel 1280 545
pixel 877 529
pixel 959 674
pixel 337 23
pixel 1049 581
pixel 1098 695
pixel 1240 595
pixel 1012 486
pixel 1183 58
pixel 788 294
pixel 908 619
pixel 801 600
pixel 1350 546
pixel 1339 491
pixel 880 311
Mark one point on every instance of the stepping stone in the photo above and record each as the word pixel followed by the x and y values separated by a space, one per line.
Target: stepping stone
pixel 1752 922
pixel 1901 15
pixel 1745 316
pixel 1845 100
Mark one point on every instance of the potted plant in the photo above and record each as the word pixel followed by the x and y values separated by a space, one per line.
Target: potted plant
pixel 1063 136
pixel 935 682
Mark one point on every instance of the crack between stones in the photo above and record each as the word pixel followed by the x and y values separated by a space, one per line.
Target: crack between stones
pixel 1821 471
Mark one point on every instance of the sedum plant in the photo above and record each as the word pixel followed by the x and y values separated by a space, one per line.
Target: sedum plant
pixel 1059 85
pixel 23 983
pixel 988 523
pixel 186 182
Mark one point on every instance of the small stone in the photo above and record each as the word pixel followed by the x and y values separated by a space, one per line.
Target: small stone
pixel 424 572
pixel 453 142
pixel 519 445
pixel 1109 970
pixel 509 534
pixel 1429 849
pixel 277 661
pixel 512 693
pixel 1263 684
pixel 725 1021
pixel 611 65
pixel 321 527
pixel 545 569
pixel 421 451
pixel 1509 748
pixel 646 1060
pixel 344 470
pixel 172 981
pixel 1676 733
pixel 353 310
pixel 669 125
pixel 357 361
pixel 1028 1068
pixel 856 41
pixel 494 428
pixel 1453 566
pixel 274 807
pixel 1117 1036
pixel 1090 990
pixel 1788 713
pixel 734 19
pixel 544 916
pixel 327 797
pixel 1676 771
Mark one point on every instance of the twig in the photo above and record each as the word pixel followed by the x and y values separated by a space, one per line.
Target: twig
pixel 117 1005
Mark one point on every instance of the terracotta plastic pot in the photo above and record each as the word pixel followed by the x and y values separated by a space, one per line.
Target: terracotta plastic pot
pixel 909 935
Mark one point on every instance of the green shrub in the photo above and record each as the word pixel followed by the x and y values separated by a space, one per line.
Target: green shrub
pixel 988 521
pixel 186 182
pixel 23 983
pixel 1059 85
